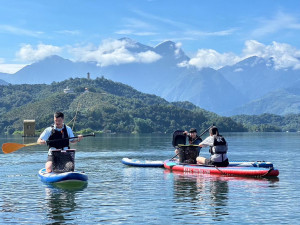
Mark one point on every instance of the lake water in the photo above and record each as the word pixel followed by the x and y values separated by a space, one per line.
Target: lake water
pixel 119 194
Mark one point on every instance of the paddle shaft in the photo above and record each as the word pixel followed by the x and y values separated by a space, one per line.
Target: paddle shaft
pixel 202 133
pixel 87 135
pixel 206 130
pixel 11 147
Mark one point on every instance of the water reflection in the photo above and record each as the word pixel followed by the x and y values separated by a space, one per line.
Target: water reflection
pixel 28 140
pixel 60 202
pixel 118 194
pixel 206 195
pixel 213 191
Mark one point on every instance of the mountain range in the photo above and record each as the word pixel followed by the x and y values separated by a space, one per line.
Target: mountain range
pixel 251 86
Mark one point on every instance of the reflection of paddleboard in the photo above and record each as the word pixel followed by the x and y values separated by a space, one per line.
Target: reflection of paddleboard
pixel 67 178
pixel 238 170
pixel 142 163
pixel 180 175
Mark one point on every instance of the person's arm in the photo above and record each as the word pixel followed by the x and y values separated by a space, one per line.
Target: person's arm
pixel 209 141
pixel 71 134
pixel 78 139
pixel 42 140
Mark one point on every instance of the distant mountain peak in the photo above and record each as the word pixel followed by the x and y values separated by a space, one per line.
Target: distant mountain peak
pixel 251 61
pixel 135 46
pixel 53 59
pixel 170 48
pixel 255 61
pixel 2 82
pixel 128 40
pixel 166 46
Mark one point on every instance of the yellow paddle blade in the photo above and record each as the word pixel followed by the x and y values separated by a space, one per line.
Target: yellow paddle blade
pixel 11 147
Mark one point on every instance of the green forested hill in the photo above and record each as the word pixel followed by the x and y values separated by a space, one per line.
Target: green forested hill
pixel 269 122
pixel 107 106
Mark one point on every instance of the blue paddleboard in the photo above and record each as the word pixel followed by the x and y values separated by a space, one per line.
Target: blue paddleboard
pixel 142 163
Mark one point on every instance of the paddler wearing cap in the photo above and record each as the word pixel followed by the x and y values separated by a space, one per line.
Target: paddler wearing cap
pixel 193 138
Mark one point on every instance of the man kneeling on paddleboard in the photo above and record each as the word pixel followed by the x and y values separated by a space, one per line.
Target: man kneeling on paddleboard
pixel 61 133
pixel 218 149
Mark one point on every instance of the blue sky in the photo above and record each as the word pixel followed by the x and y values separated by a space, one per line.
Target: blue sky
pixel 212 33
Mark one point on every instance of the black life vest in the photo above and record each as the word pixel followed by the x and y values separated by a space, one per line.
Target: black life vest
pixel 56 135
pixel 219 146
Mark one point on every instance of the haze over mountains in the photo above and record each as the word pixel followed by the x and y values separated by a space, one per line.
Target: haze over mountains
pixel 251 86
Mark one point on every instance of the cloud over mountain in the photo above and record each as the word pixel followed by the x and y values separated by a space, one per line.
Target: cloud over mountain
pixel 126 51
pixel 115 52
pixel 166 71
pixel 284 56
pixel 28 53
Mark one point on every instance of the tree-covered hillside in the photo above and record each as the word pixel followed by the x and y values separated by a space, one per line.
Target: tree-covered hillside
pixel 106 106
pixel 269 122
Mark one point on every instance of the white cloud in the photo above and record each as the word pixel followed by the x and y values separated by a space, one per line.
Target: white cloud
pixel 238 70
pixel 69 32
pixel 27 53
pixel 10 68
pixel 178 49
pixel 284 56
pixel 124 32
pixel 197 33
pixel 280 22
pixel 113 52
pixel 133 23
pixel 213 59
pixel 116 52
pixel 147 57
pixel 132 32
pixel 149 25
pixel 160 19
pixel 136 27
pixel 253 47
pixel 19 31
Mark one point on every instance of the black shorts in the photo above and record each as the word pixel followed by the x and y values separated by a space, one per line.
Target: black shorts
pixel 209 162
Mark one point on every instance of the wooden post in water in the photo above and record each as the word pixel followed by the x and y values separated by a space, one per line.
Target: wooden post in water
pixel 29 128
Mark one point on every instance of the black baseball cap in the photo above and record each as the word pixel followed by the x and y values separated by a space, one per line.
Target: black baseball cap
pixel 192 130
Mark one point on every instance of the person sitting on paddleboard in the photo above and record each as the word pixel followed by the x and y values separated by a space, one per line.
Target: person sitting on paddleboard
pixel 193 138
pixel 218 149
pixel 57 131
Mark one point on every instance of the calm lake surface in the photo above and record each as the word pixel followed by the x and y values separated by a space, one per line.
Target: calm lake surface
pixel 119 194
